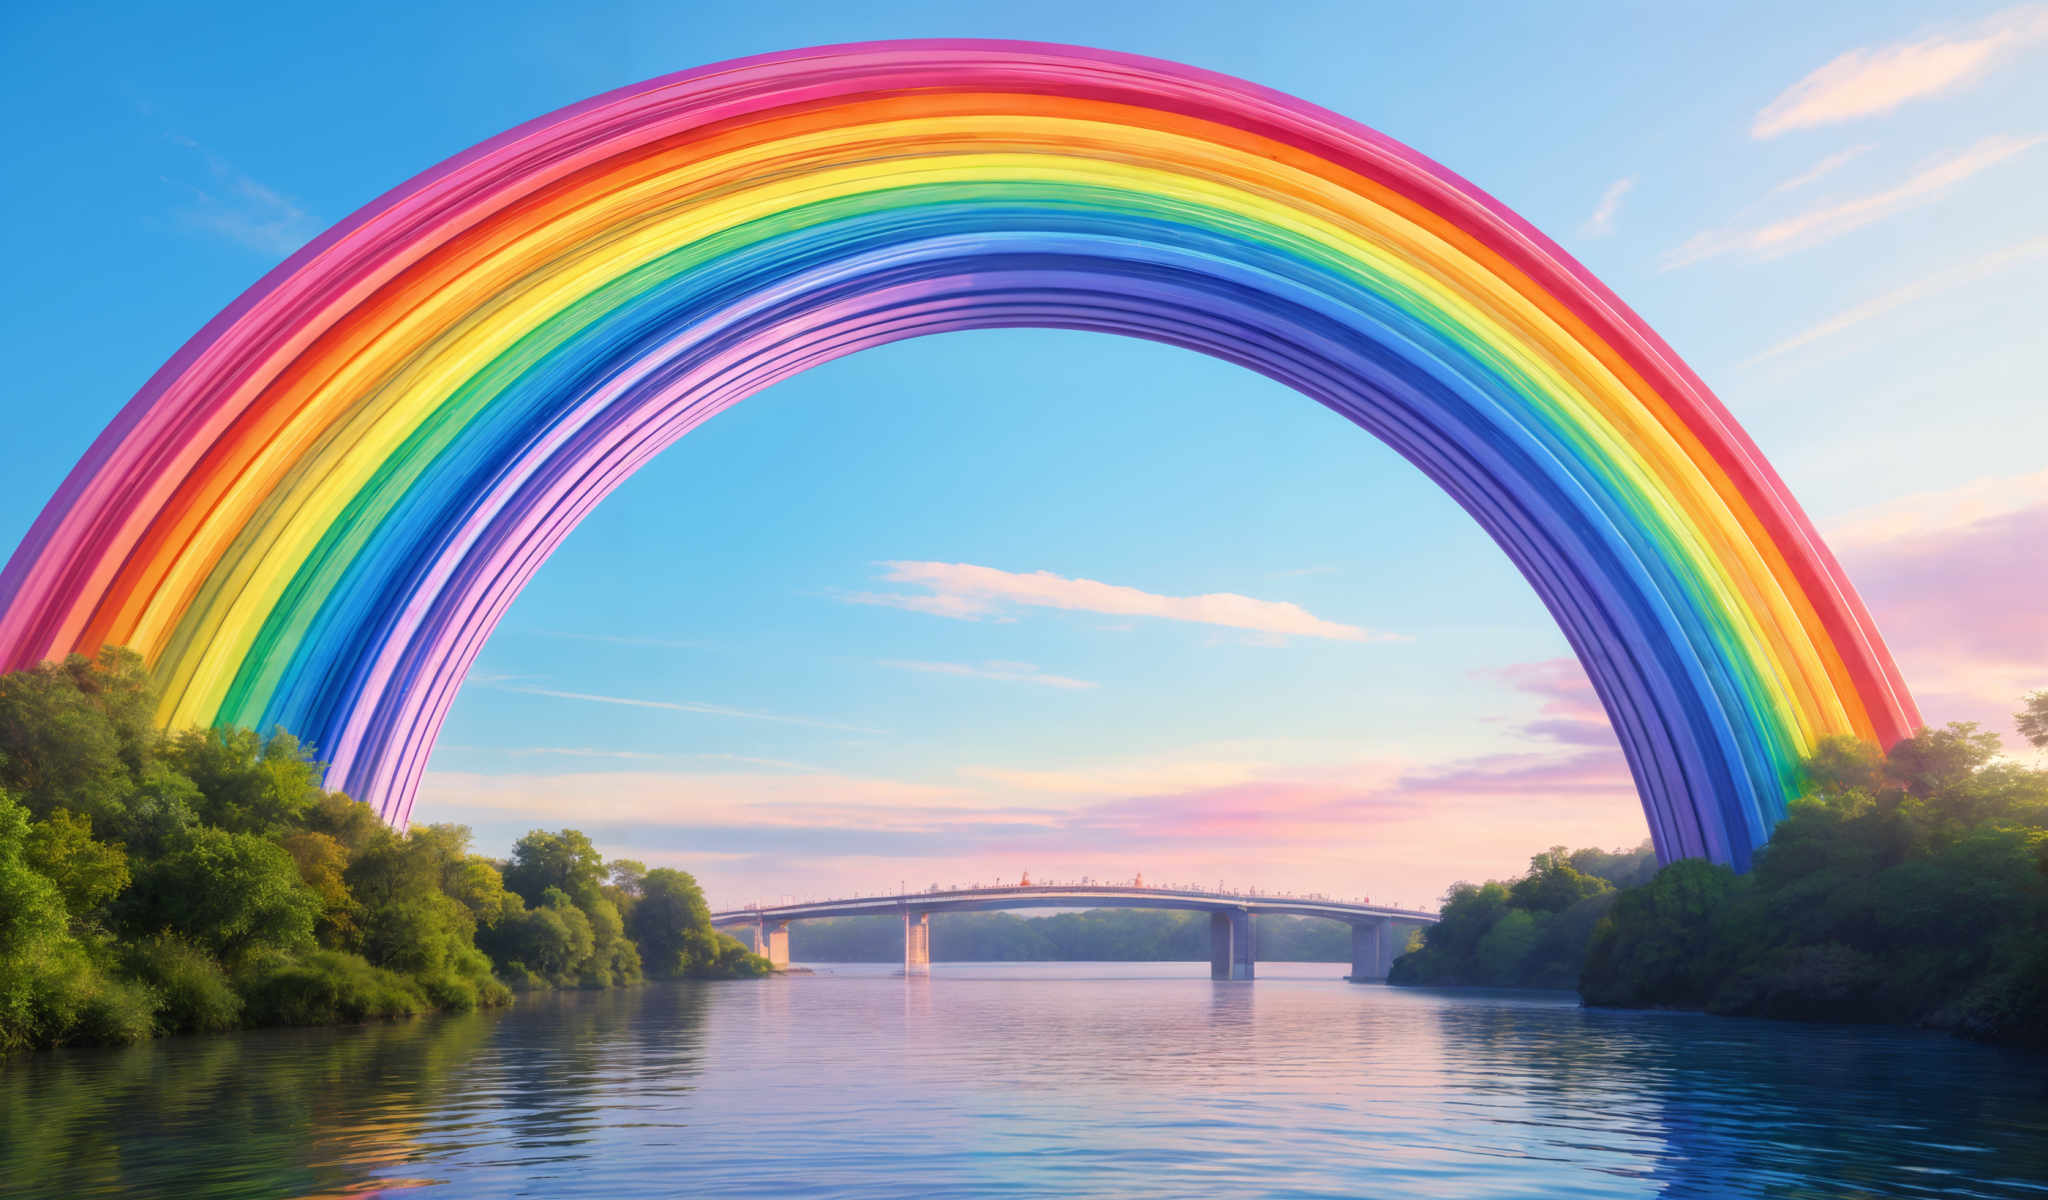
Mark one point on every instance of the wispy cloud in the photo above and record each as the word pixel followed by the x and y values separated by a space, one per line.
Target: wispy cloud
pixel 1826 223
pixel 1295 572
pixel 1871 80
pixel 1932 513
pixel 1003 672
pixel 1960 605
pixel 1601 223
pixel 611 639
pixel 232 205
pixel 1994 263
pixel 1822 169
pixel 964 591
pixel 682 706
pixel 1570 712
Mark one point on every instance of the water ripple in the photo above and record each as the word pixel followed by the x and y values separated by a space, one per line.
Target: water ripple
pixel 1136 1081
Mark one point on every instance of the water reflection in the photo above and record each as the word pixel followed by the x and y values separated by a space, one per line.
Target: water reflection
pixel 1136 1081
pixel 1706 1107
pixel 332 1111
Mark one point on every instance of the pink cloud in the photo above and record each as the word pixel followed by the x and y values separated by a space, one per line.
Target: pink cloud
pixel 1571 709
pixel 1962 609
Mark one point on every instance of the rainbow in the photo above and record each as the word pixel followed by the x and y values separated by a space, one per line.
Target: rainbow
pixel 317 511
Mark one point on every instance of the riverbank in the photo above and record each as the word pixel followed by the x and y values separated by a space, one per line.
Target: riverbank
pixel 1904 888
pixel 158 883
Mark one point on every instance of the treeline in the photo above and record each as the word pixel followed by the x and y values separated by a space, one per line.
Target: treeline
pixel 1531 931
pixel 158 883
pixel 1908 887
pixel 1096 935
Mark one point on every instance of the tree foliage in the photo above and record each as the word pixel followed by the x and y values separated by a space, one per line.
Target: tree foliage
pixel 203 880
pixel 1909 886
pixel 1530 931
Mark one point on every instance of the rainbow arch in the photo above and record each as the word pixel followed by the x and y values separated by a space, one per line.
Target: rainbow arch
pixel 316 512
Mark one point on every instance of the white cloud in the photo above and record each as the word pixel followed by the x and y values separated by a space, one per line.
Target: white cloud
pixel 1825 167
pixel 1932 285
pixel 683 706
pixel 241 209
pixel 1004 672
pixel 1601 223
pixel 1871 80
pixel 965 591
pixel 614 639
pixel 1829 222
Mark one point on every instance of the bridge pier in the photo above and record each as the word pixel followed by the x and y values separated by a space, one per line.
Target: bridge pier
pixel 1231 953
pixel 776 935
pixel 1373 950
pixel 917 943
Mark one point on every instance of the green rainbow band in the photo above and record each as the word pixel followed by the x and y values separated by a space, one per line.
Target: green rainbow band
pixel 315 513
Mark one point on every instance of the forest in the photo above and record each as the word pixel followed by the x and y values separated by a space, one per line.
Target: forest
pixel 1906 887
pixel 155 883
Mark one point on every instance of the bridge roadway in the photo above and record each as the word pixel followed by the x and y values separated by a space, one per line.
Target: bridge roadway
pixel 1374 928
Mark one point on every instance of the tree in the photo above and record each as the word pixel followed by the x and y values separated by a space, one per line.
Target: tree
pixel 626 875
pixel 246 783
pixel 2033 720
pixel 1553 884
pixel 50 989
pixel 76 734
pixel 672 924
pixel 564 860
pixel 229 892
pixel 87 873
pixel 1655 947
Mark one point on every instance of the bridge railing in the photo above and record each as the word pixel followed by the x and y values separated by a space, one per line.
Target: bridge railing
pixel 1083 885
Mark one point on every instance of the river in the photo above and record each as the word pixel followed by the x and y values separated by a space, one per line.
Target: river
pixel 1079 1079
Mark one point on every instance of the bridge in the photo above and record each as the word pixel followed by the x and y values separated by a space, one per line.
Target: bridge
pixel 1374 928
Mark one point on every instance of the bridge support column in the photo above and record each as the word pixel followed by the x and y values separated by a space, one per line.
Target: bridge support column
pixel 1231 953
pixel 1372 950
pixel 917 943
pixel 777 938
pixel 750 933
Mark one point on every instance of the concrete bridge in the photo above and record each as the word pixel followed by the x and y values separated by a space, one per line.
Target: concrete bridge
pixel 1378 932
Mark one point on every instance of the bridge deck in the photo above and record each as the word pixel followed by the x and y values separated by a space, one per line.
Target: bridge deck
pixel 1072 896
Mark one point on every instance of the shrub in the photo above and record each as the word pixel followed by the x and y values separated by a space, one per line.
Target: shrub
pixel 326 987
pixel 192 990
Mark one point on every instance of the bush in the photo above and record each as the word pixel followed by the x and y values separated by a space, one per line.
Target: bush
pixel 193 992
pixel 64 997
pixel 327 987
pixel 1655 948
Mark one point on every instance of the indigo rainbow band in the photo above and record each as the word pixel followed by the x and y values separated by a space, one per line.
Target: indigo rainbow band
pixel 316 512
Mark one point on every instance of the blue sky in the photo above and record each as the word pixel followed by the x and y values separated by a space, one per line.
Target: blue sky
pixel 1832 210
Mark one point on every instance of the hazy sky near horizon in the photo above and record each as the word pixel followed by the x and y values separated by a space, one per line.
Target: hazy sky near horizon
pixel 946 610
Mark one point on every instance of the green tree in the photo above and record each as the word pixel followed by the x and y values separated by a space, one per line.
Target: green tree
pixel 229 892
pixel 246 783
pixel 87 873
pixel 77 734
pixel 2033 720
pixel 672 924
pixel 564 860
pixel 1667 955
pixel 51 990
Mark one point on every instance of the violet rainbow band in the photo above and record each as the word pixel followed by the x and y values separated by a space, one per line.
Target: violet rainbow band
pixel 316 512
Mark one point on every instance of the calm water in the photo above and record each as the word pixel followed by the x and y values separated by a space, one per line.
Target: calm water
pixel 1034 1080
